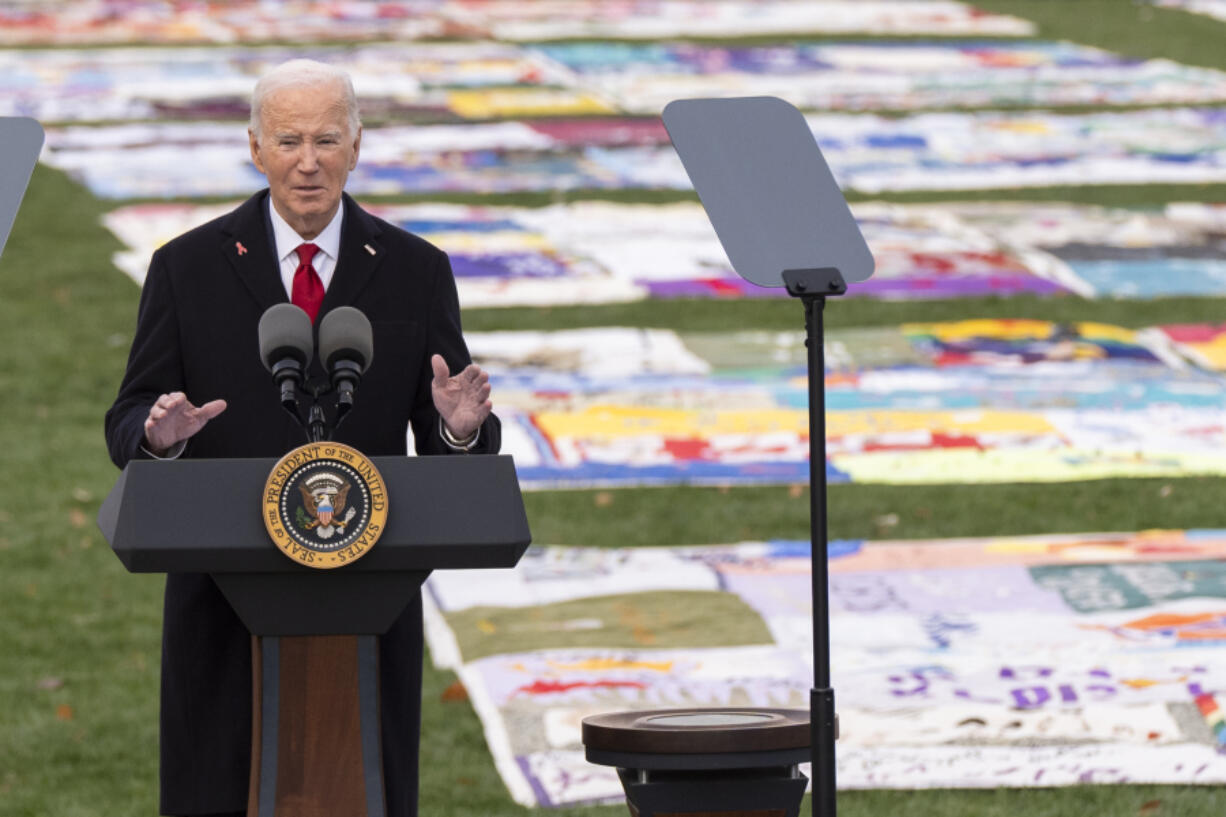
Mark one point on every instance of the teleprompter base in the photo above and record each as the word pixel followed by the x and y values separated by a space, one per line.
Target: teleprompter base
pixel 725 762
pixel 764 792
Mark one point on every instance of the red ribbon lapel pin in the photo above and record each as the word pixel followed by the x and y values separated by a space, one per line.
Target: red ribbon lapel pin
pixel 241 249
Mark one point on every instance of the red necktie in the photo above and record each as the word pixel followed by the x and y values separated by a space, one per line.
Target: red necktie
pixel 308 290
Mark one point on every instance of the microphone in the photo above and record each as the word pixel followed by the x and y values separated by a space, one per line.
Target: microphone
pixel 346 347
pixel 286 346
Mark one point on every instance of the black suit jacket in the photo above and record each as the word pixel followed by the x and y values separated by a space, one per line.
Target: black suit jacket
pixel 197 333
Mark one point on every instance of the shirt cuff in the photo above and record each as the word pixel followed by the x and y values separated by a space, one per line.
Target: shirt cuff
pixel 453 443
pixel 172 453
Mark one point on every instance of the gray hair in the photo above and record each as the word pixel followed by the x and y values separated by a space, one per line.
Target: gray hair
pixel 304 73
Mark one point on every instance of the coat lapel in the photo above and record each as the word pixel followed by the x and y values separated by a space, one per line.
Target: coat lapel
pixel 248 250
pixel 360 255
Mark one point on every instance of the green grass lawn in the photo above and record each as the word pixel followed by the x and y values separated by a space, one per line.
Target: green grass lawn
pixel 1132 27
pixel 79 638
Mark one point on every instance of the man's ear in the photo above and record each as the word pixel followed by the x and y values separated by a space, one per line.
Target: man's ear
pixel 254 142
pixel 357 147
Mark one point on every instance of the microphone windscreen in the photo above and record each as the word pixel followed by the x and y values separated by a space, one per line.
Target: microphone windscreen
pixel 285 331
pixel 345 334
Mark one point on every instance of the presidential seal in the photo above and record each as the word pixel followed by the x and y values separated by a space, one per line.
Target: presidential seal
pixel 325 505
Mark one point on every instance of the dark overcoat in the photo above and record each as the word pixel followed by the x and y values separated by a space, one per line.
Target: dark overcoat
pixel 196 332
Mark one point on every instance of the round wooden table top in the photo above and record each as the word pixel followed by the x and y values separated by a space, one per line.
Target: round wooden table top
pixel 705 730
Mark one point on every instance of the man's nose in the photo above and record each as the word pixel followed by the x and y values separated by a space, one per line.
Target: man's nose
pixel 308 158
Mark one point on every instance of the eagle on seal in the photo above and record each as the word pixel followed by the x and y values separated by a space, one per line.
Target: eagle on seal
pixel 325 506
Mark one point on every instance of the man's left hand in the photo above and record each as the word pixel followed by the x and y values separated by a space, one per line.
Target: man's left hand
pixel 463 401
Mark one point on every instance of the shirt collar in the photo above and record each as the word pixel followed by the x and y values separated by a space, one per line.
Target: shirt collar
pixel 288 240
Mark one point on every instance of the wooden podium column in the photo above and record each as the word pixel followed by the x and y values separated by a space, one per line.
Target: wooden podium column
pixel 316 744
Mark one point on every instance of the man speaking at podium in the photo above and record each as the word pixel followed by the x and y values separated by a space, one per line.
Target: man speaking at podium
pixel 195 386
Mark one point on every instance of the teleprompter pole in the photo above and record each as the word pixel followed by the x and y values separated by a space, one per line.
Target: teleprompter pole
pixel 813 286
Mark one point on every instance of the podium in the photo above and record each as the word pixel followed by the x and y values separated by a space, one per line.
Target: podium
pixel 316 747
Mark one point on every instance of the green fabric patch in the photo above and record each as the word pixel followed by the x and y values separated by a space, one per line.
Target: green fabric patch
pixel 1098 588
pixel 687 619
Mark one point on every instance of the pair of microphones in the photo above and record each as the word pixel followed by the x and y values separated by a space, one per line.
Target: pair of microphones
pixel 287 344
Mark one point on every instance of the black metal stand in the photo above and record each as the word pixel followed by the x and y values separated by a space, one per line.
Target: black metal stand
pixel 813 286
pixel 316 426
pixel 776 790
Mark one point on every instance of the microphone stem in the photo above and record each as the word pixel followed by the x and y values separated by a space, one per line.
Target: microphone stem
pixel 317 428
pixel 289 395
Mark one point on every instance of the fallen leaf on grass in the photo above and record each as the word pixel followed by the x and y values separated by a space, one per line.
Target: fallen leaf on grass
pixel 64 712
pixel 796 491
pixel 455 692
pixel 77 518
pixel 603 499
pixel 1150 807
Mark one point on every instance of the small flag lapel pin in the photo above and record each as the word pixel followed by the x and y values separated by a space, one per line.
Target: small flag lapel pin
pixel 369 249
pixel 241 249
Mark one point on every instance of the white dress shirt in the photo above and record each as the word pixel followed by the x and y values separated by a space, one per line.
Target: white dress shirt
pixel 287 243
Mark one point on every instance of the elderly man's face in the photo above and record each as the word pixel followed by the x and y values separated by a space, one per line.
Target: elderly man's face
pixel 306 150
